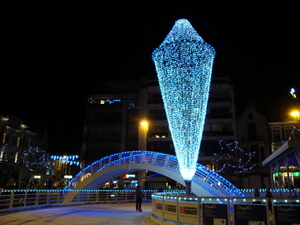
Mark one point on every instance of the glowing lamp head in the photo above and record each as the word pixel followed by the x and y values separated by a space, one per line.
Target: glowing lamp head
pixel 184 64
pixel 292 92
pixel 144 123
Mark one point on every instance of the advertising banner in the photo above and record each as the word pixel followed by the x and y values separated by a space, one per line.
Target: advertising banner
pixel 159 208
pixel 215 214
pixel 189 213
pixel 250 214
pixel 287 214
pixel 170 210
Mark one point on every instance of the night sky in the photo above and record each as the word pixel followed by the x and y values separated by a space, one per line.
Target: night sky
pixel 55 55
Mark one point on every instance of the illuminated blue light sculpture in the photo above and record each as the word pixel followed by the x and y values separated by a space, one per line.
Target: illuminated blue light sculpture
pixel 184 65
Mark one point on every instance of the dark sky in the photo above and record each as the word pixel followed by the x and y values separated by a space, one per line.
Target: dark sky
pixel 55 54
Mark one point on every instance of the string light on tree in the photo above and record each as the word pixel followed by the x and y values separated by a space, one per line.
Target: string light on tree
pixel 184 64
pixel 233 159
pixel 35 159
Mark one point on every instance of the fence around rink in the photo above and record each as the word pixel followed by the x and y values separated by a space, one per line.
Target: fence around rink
pixel 22 199
pixel 183 210
pixel 172 207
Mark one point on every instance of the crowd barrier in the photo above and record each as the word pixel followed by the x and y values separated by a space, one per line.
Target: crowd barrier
pixel 172 207
pixel 182 210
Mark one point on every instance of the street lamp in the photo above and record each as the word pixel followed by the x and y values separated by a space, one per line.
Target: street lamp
pixel 142 134
pixel 144 123
pixel 292 92
pixel 296 115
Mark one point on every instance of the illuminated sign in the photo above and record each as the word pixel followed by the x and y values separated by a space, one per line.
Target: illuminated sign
pixel 68 176
pixel 130 176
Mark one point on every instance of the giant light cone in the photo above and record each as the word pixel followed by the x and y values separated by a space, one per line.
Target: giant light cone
pixel 184 65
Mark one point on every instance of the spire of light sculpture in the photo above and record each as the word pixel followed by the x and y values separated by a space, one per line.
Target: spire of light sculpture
pixel 184 64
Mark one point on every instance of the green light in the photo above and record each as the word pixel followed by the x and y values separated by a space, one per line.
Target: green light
pixel 295 174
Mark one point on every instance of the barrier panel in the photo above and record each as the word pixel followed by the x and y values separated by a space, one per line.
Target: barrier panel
pixel 189 212
pixel 286 211
pixel 250 211
pixel 170 209
pixel 215 211
pixel 175 209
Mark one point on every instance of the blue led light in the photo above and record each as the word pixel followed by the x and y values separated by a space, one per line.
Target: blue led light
pixel 184 64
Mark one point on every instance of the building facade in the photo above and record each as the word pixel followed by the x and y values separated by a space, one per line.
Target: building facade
pixel 284 162
pixel 15 138
pixel 253 136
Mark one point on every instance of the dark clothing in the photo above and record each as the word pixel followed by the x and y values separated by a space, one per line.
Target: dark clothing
pixel 269 194
pixel 256 192
pixel 139 195
pixel 138 203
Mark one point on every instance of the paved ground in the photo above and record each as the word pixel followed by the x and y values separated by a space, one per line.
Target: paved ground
pixel 100 214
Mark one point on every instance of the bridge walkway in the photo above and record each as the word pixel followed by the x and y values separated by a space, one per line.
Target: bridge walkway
pixel 88 214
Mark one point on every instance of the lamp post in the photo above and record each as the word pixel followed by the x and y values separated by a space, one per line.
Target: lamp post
pixel 296 115
pixel 142 139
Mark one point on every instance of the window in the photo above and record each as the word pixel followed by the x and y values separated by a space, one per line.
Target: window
pixel 219 110
pixel 220 127
pixel 252 131
pixel 276 135
pixel 287 132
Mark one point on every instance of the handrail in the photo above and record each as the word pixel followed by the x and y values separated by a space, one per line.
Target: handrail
pixel 31 198
pixel 211 181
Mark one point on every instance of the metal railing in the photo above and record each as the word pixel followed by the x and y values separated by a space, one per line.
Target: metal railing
pixel 205 178
pixel 22 199
pixel 28 198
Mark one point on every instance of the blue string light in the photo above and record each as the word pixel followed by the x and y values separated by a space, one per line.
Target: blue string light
pixel 184 65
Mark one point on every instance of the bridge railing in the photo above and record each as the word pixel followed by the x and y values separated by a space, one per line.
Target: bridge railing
pixel 209 180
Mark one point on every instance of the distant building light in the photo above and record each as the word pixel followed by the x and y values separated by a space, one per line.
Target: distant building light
pixel 295 174
pixel 68 176
pixel 37 177
pixel 130 176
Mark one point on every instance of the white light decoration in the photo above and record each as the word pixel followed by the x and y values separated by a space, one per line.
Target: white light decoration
pixel 184 65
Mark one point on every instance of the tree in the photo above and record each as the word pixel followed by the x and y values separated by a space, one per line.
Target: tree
pixel 35 159
pixel 231 159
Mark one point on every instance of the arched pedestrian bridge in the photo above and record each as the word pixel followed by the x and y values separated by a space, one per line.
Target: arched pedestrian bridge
pixel 205 182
